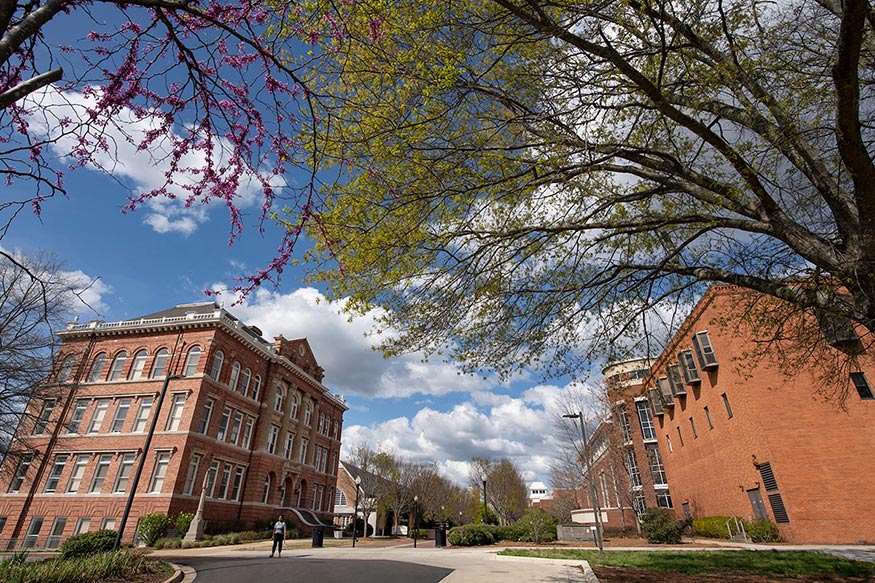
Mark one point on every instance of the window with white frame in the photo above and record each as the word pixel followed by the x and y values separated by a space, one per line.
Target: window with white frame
pixel 191 475
pixel 688 367
pixel 224 482
pixel 118 365
pixel 218 361
pixel 265 493
pixel 191 361
pixel 124 473
pixel 55 473
pixel 279 396
pixel 302 453
pixel 212 478
pixel 223 423
pixel 143 412
pixel 121 413
pixel 334 434
pixel 82 525
pixel 339 498
pixel 288 450
pixel 32 536
pixel 66 368
pixel 272 438
pixel 293 407
pixel 159 473
pixel 235 376
pixel 160 363
pixel 657 470
pixel 245 381
pixel 308 413
pixel 78 415
pixel 99 414
pixel 623 420
pixel 256 387
pixel 704 351
pixel 321 428
pixel 77 473
pixel 107 524
pixel 42 420
pixel 645 419
pixel 100 472
pixel 176 408
pixel 234 435
pixel 247 432
pixel 97 368
pixel 663 499
pixel 238 483
pixel 138 366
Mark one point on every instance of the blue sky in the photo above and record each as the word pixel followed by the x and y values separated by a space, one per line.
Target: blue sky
pixel 163 255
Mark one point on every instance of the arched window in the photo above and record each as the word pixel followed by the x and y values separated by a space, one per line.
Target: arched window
pixel 339 498
pixel 138 365
pixel 244 382
pixel 115 371
pixel 265 496
pixel 97 367
pixel 308 413
pixel 191 360
pixel 235 376
pixel 256 386
pixel 293 412
pixel 160 363
pixel 279 396
pixel 66 368
pixel 218 360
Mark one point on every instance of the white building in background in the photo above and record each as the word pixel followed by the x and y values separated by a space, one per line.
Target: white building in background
pixel 538 493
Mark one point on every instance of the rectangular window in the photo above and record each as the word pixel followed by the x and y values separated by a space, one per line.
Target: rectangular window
pixel 645 420
pixel 20 473
pixel 247 432
pixel 100 473
pixel 55 473
pixel 862 385
pixel 235 428
pixel 688 367
pixel 78 473
pixel 43 420
pixel 77 416
pixel 2 523
pixel 82 525
pixel 290 442
pixel 623 420
pixel 680 436
pixel 190 476
pixel 663 499
pixel 272 438
pixel 30 539
pixel 302 455
pixel 317 457
pixel 226 479
pixel 693 427
pixel 726 404
pixel 121 413
pixel 657 470
pixel 160 472
pixel 223 423
pixel 676 380
pixel 56 532
pixel 238 482
pixel 708 417
pixel 99 414
pixel 205 418
pixel 124 473
pixel 212 473
pixel 175 417
pixel 107 524
pixel 143 412
pixel 704 351
pixel 668 441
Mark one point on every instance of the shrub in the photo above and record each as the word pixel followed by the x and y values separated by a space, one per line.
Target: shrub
pixel 252 535
pixel 711 527
pixel 168 543
pixel 152 527
pixel 182 522
pixel 763 530
pixel 659 526
pixel 536 526
pixel 505 532
pixel 471 535
pixel 88 543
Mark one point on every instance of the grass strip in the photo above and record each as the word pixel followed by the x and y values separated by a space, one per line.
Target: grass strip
pixel 772 562
pixel 124 565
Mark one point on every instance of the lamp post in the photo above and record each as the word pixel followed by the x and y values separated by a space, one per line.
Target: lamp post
pixel 355 509
pixel 485 511
pixel 597 513
pixel 460 517
pixel 415 519
pixel 146 444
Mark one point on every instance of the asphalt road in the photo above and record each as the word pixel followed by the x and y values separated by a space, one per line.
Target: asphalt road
pixel 309 569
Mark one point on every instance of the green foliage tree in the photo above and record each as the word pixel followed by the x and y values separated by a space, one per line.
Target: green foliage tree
pixel 152 527
pixel 537 526
pixel 520 183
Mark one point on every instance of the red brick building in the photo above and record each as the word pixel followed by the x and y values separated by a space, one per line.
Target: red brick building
pixel 749 438
pixel 248 419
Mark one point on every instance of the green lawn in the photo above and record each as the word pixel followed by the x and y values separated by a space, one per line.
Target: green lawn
pixel 703 562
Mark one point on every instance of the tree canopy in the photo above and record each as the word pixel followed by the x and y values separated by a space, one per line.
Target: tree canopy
pixel 516 181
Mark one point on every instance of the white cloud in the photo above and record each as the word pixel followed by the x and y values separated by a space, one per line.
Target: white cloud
pixel 141 169
pixel 91 293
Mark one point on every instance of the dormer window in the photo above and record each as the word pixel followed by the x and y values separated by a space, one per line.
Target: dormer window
pixel 704 351
pixel 688 367
pixel 675 380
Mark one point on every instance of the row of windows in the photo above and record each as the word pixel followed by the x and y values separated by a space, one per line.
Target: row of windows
pixel 123 406
pixel 235 427
pixel 224 480
pixel 96 482
pixel 137 369
pixel 708 418
pixel 53 541
pixel 240 379
pixel 325 421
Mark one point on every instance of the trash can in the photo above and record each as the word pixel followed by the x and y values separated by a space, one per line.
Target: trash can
pixel 440 536
pixel 318 535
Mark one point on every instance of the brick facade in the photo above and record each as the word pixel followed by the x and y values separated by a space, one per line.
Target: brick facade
pixel 752 438
pixel 248 418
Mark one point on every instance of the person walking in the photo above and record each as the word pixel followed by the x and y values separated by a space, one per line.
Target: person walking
pixel 279 535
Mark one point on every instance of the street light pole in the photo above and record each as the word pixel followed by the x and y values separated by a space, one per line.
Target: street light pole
pixel 355 509
pixel 597 513
pixel 148 442
pixel 415 519
pixel 485 509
